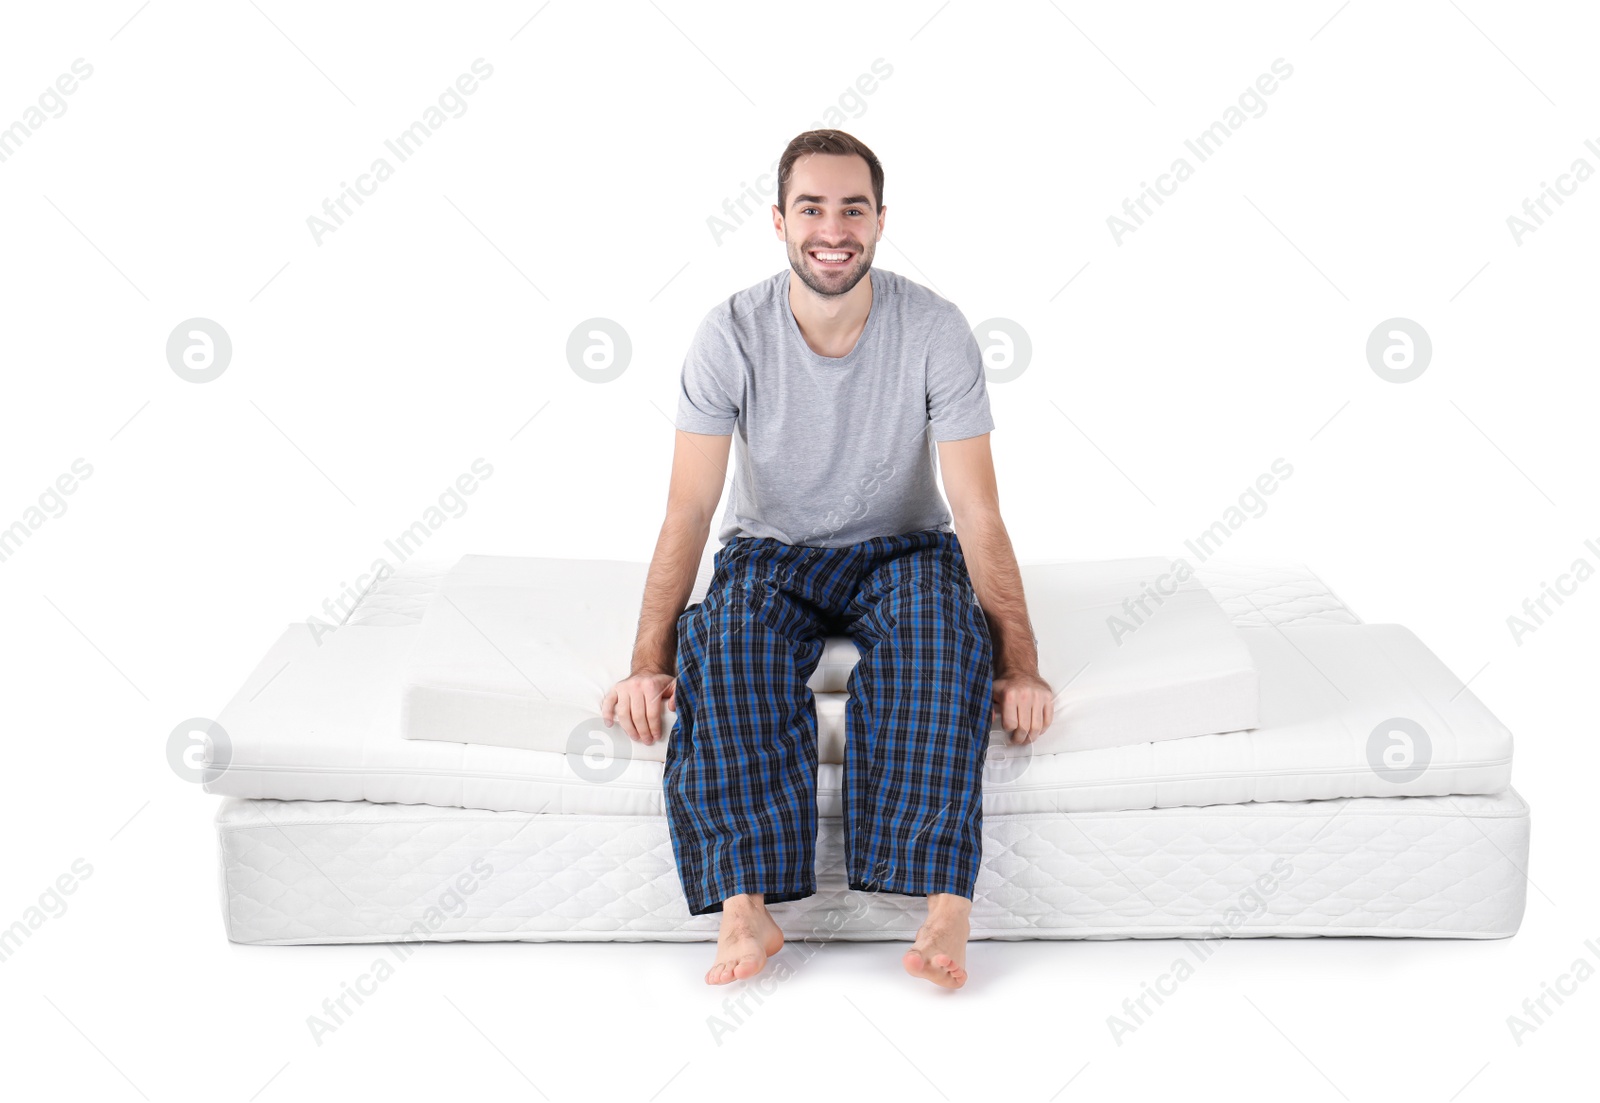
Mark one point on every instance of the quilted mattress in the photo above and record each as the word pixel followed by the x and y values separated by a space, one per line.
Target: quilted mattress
pixel 328 871
pixel 349 833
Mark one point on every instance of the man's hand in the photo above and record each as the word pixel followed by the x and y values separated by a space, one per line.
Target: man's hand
pixel 638 701
pixel 1024 704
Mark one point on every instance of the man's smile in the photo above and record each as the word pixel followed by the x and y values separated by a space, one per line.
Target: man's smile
pixel 831 258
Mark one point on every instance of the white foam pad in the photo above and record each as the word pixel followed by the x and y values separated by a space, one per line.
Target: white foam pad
pixel 519 651
pixel 319 719
pixel 1136 652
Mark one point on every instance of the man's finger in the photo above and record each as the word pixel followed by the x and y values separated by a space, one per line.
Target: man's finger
pixel 1010 720
pixel 625 714
pixel 641 715
pixel 648 728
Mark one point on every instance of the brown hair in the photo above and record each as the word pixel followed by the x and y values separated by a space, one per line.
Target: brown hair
pixel 827 141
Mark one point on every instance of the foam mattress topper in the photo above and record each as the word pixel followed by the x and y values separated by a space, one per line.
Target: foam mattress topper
pixel 320 719
pixel 518 652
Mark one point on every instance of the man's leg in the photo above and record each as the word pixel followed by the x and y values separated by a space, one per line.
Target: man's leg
pixel 916 738
pixel 741 766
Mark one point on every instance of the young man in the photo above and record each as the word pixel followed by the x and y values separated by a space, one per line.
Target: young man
pixel 837 381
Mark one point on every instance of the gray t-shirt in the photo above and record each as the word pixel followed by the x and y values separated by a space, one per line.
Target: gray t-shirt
pixel 831 451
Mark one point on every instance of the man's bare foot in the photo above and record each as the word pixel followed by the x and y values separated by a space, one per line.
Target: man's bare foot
pixel 940 951
pixel 748 937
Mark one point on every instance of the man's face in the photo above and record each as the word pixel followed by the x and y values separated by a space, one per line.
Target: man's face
pixel 830 213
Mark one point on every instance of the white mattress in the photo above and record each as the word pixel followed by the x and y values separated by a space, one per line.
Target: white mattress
pixel 1450 867
pixel 517 651
pixel 320 720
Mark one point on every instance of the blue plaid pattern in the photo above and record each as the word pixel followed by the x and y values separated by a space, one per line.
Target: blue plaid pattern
pixel 741 769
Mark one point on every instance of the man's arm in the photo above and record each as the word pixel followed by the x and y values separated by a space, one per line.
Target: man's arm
pixel 1023 698
pixel 699 470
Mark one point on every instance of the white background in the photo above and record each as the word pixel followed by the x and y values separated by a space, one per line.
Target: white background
pixel 371 369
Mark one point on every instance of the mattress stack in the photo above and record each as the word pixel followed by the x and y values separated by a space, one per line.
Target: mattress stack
pixel 1233 755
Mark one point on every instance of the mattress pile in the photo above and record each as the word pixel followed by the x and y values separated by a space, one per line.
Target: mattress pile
pixel 1234 754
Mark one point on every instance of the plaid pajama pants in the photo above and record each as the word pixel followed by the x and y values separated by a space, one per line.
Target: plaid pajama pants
pixel 741 766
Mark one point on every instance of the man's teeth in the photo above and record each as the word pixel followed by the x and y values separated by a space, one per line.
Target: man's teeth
pixel 832 256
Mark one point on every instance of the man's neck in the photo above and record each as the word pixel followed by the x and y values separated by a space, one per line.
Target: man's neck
pixel 831 324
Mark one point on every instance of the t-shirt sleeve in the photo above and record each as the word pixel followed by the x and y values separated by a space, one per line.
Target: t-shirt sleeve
pixel 711 385
pixel 958 399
